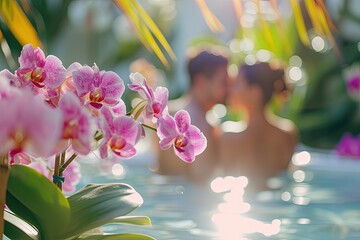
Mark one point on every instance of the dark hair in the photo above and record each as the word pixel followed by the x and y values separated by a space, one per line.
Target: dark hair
pixel 269 78
pixel 205 62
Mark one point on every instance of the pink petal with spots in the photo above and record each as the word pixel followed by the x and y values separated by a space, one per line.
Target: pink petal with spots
pixel 55 72
pixel 127 151
pixel 39 122
pixel 84 80
pixel 127 128
pixel 119 109
pixel 186 154
pixel 112 85
pixel 9 78
pixel 27 57
pixel 183 120
pixel 166 127
pixel 196 139
pixel 70 106
pixel 166 143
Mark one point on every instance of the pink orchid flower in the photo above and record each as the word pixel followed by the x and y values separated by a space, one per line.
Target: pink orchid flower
pixel 353 86
pixel 120 134
pixel 39 72
pixel 28 124
pixel 156 102
pixel 349 146
pixel 6 89
pixel 98 88
pixel 78 125
pixel 188 140
pixel 9 78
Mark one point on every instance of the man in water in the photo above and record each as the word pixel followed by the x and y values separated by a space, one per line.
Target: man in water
pixel 207 71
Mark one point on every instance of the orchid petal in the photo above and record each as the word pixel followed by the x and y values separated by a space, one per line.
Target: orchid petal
pixel 182 119
pixel 55 72
pixel 166 143
pixel 127 128
pixel 166 127
pixel 187 154
pixel 112 85
pixel 127 151
pixel 197 139
pixel 83 80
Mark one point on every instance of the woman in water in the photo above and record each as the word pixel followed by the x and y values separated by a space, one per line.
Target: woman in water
pixel 265 147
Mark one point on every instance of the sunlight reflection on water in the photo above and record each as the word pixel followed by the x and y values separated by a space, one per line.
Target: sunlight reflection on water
pixel 230 220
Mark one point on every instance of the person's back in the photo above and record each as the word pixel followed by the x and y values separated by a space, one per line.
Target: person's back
pixel 265 147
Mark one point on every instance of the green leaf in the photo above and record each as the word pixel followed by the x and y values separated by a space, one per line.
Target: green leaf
pixel 136 220
pixel 17 228
pixel 121 236
pixel 34 198
pixel 97 204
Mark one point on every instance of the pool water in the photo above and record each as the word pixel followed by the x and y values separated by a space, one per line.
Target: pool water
pixel 318 198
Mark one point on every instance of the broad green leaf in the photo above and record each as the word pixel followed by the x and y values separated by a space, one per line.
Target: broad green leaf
pixel 122 236
pixel 135 220
pixel 17 228
pixel 33 197
pixel 97 204
pixel 19 24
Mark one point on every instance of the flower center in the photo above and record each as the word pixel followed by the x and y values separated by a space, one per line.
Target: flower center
pixel 96 95
pixel 19 140
pixel 180 142
pixel 116 143
pixel 69 130
pixel 38 76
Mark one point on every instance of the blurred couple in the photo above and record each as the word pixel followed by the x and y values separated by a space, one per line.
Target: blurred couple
pixel 262 150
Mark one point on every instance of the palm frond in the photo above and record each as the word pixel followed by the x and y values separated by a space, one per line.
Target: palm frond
pixel 145 28
pixel 18 23
pixel 281 27
pixel 211 20
pixel 7 52
pixel 299 21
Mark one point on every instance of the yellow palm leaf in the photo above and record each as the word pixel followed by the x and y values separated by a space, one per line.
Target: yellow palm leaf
pixel 211 20
pixel 265 28
pixel 149 34
pixel 281 27
pixel 312 10
pixel 325 26
pixel 154 29
pixel 19 24
pixel 299 21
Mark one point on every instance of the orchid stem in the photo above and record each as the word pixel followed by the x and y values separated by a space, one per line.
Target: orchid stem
pixel 63 155
pixel 67 163
pixel 149 127
pixel 57 173
pixel 4 176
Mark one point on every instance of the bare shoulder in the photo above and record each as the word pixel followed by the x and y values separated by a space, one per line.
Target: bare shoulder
pixel 288 132
pixel 287 128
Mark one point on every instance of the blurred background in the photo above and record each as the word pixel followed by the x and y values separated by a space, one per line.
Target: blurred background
pixel 323 63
